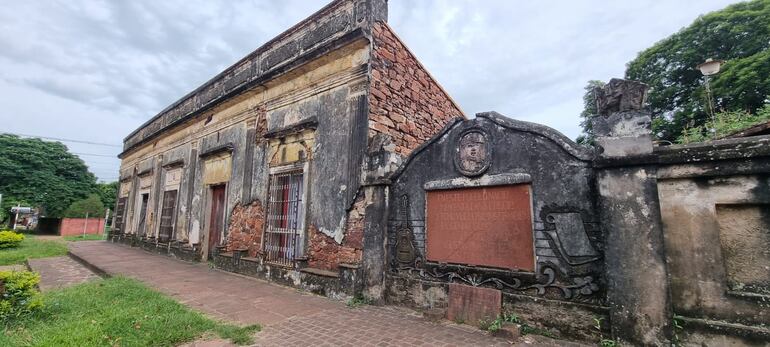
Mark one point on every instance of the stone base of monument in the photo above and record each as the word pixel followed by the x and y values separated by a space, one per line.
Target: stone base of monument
pixel 472 305
pixel 434 314
pixel 508 331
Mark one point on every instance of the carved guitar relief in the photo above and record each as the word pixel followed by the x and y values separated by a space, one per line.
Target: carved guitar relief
pixel 406 254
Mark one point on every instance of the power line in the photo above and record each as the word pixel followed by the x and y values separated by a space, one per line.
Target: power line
pixel 96 155
pixel 67 140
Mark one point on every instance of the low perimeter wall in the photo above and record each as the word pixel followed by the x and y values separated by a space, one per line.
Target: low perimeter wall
pixel 75 226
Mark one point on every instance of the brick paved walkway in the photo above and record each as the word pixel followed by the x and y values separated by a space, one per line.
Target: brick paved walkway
pixel 58 272
pixel 289 317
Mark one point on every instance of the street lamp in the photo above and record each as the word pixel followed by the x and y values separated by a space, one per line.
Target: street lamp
pixel 708 68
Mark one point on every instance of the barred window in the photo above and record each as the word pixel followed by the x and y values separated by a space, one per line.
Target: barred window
pixel 284 237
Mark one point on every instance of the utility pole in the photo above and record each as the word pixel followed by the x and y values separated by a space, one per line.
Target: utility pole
pixel 708 68
pixel 106 218
pixel 16 220
pixel 85 225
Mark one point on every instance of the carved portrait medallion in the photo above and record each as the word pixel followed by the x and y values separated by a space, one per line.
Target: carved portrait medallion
pixel 473 153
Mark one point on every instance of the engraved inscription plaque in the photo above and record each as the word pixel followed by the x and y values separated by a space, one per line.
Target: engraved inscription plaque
pixel 487 226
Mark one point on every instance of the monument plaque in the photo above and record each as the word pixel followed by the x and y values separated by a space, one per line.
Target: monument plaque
pixel 486 226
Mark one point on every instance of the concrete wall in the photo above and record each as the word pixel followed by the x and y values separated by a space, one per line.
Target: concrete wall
pixel 715 206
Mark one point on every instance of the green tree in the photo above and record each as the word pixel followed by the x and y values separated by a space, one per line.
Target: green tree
pixel 91 206
pixel 739 34
pixel 108 193
pixel 41 174
pixel 589 112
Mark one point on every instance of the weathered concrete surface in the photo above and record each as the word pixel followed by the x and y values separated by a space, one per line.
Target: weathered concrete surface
pixel 567 240
pixel 723 250
pixel 289 317
pixel 637 284
pixel 635 264
pixel 60 272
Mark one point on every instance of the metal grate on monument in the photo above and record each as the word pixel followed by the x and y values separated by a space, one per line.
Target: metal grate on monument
pixel 285 219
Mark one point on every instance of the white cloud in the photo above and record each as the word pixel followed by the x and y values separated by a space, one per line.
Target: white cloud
pixel 95 70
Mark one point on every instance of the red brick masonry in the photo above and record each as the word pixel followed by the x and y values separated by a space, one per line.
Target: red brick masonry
pixel 405 102
pixel 74 226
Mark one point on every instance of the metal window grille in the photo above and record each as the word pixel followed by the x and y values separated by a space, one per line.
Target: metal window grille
pixel 284 239
pixel 167 216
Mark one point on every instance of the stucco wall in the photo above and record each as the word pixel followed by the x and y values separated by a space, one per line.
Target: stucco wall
pixel 327 88
pixel 716 233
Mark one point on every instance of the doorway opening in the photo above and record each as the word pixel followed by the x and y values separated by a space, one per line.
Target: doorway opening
pixel 216 217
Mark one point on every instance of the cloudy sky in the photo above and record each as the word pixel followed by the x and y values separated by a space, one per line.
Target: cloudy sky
pixel 93 71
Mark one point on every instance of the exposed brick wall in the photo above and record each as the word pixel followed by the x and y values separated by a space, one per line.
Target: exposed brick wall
pixel 405 102
pixel 74 226
pixel 245 229
pixel 325 253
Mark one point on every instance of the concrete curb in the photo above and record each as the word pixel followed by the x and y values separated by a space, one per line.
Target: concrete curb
pixel 95 269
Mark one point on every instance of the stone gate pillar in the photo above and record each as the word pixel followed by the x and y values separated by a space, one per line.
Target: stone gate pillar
pixel 637 284
pixel 381 162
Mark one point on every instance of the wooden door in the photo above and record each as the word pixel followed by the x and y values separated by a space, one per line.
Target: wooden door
pixel 143 215
pixel 167 216
pixel 120 210
pixel 216 222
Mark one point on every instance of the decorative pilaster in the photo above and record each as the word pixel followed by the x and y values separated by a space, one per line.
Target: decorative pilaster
pixel 637 283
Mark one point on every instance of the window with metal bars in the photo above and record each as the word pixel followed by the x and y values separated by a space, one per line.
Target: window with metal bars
pixel 284 234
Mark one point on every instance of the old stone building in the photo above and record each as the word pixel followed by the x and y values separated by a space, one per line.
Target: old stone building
pixel 267 159
pixel 330 160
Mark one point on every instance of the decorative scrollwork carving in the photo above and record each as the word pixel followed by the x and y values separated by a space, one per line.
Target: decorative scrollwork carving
pixel 581 289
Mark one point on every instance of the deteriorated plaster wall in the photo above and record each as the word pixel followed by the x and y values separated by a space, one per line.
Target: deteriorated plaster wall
pixel 325 253
pixel 405 102
pixel 230 122
pixel 245 229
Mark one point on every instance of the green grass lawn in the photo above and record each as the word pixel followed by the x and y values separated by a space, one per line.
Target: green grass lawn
pixel 86 237
pixel 116 312
pixel 32 248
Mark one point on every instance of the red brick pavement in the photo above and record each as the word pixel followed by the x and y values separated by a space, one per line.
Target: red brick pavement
pixel 59 272
pixel 289 317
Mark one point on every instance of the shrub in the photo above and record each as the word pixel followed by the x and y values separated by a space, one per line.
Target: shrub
pixel 18 294
pixel 10 239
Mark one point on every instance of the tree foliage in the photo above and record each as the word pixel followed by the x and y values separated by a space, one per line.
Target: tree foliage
pixel 589 112
pixel 739 34
pixel 91 206
pixel 41 174
pixel 108 193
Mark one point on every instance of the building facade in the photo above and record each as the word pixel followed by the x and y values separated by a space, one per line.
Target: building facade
pixel 330 160
pixel 267 159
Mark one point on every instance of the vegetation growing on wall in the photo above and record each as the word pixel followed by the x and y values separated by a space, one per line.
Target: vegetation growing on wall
pixel 726 123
